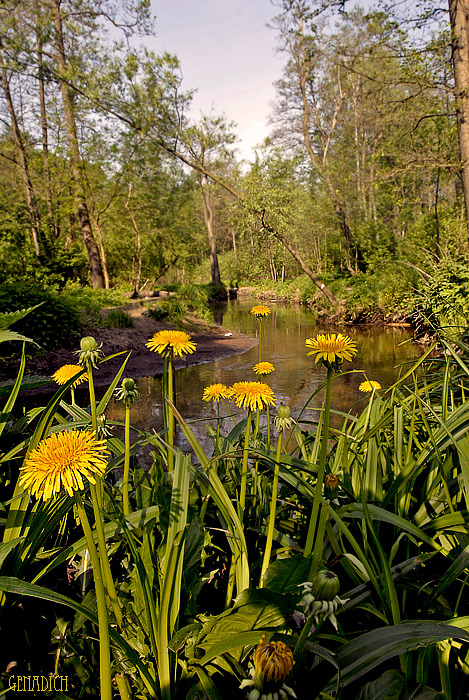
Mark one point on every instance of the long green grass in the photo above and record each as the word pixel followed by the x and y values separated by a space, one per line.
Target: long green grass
pixel 193 595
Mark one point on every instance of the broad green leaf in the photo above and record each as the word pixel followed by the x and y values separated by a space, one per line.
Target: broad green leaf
pixel 8 318
pixel 392 686
pixel 361 655
pixel 285 575
pixel 259 610
pixel 8 336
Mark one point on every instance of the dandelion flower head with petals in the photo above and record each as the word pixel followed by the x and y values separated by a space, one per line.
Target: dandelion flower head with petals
pixel 66 372
pixel 260 311
pixel 169 343
pixel 273 661
pixel 263 368
pixel 369 386
pixel 61 461
pixel 332 349
pixel 215 392
pixel 252 395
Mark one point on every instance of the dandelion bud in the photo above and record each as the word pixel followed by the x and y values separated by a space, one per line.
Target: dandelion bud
pixel 331 483
pixel 325 585
pixel 89 352
pixel 88 343
pixel 127 392
pixel 102 430
pixel 282 420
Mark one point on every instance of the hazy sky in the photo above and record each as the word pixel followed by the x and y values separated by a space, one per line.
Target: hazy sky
pixel 228 54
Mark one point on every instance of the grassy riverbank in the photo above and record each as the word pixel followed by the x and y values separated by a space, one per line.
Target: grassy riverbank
pixel 344 546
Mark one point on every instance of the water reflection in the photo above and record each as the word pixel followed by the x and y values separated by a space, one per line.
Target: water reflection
pixel 381 352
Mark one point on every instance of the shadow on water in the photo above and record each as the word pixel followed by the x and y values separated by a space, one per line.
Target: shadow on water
pixel 382 351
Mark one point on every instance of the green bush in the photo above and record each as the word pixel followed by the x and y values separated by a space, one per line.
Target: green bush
pixel 443 298
pixel 170 310
pixel 117 318
pixel 88 301
pixel 54 324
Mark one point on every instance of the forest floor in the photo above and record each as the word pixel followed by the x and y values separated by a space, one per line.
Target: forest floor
pixel 212 342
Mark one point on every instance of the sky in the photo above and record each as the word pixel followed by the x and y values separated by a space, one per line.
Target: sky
pixel 227 54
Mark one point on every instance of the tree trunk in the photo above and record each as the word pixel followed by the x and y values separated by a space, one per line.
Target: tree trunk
pixel 45 141
pixel 31 201
pixel 458 12
pixel 212 241
pixel 96 270
pixel 102 251
pixel 327 292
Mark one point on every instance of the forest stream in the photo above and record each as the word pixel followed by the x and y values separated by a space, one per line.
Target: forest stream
pixel 382 351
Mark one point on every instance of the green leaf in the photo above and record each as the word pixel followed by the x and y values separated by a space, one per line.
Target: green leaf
pixel 8 318
pixel 7 336
pixel 386 687
pixel 392 686
pixel 254 610
pixel 361 655
pixel 6 547
pixel 285 575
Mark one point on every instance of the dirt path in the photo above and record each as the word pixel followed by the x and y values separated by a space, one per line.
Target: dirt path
pixel 212 342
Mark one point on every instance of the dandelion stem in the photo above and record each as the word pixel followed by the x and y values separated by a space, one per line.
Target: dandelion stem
pixel 273 508
pixel 260 339
pixel 96 491
pixel 104 649
pixel 125 484
pixel 268 427
pixel 321 466
pixel 170 416
pixel 244 468
pixel 217 446
pixel 105 566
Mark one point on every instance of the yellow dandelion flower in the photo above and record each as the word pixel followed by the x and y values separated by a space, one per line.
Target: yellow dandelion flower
pixel 332 348
pixel 215 392
pixel 65 373
pixel 169 343
pixel 273 661
pixel 260 311
pixel 369 386
pixel 252 395
pixel 61 461
pixel 263 368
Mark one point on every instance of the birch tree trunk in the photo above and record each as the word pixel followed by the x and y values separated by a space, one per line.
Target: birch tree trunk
pixel 458 12
pixel 76 166
pixel 212 239
pixel 30 196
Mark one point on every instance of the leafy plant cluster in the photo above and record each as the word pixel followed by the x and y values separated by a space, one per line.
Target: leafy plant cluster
pixel 442 300
pixel 185 544
pixel 187 298
pixel 54 323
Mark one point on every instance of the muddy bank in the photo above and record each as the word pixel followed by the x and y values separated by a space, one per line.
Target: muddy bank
pixel 212 342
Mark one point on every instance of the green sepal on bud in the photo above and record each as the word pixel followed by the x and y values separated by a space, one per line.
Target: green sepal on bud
pixel 325 585
pixel 89 351
pixel 283 421
pixel 102 429
pixel 127 392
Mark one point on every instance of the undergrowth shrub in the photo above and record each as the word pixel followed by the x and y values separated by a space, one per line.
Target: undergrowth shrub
pixel 117 318
pixel 54 324
pixel 88 302
pixel 442 300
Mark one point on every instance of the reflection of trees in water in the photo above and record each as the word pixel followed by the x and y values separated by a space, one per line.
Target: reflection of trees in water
pixel 295 378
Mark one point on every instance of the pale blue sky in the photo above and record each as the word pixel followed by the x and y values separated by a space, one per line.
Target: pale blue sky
pixel 228 54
